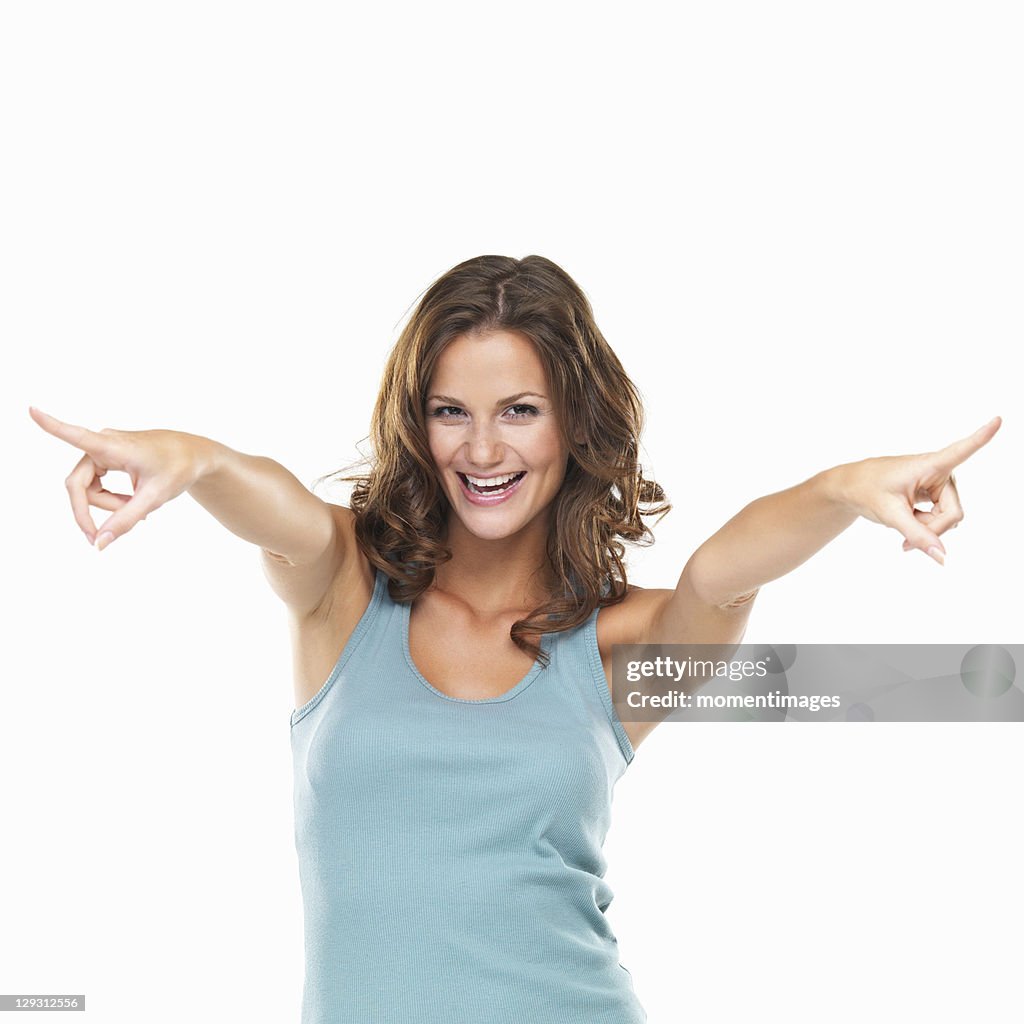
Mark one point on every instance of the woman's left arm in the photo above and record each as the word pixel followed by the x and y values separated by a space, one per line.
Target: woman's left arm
pixel 774 534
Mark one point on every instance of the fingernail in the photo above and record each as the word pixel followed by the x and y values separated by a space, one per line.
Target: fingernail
pixel 106 537
pixel 936 554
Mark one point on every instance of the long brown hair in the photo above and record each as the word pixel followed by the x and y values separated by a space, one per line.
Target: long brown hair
pixel 399 505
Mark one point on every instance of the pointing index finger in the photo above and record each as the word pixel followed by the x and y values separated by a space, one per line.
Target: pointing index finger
pixel 959 451
pixel 80 437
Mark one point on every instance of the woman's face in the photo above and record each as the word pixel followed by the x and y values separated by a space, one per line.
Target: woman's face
pixel 490 415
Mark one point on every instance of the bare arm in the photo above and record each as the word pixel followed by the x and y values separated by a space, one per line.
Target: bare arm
pixel 303 540
pixel 769 538
pixel 260 501
pixel 774 534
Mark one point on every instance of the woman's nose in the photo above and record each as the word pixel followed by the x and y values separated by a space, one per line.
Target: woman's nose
pixel 485 445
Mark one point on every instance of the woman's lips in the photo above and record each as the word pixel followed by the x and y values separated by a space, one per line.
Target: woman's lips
pixel 488 499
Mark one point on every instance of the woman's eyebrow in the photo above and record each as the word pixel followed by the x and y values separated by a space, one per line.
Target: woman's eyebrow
pixel 503 401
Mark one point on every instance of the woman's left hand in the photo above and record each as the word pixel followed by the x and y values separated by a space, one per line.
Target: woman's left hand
pixel 886 489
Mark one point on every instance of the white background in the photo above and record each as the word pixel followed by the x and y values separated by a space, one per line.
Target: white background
pixel 799 225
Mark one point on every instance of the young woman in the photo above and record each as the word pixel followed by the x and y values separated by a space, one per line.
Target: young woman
pixel 455 741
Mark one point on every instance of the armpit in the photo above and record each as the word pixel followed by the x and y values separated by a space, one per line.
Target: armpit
pixel 738 602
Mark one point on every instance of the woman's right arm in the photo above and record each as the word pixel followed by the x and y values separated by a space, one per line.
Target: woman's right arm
pixel 304 541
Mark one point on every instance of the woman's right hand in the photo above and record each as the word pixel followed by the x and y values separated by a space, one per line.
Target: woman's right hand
pixel 160 463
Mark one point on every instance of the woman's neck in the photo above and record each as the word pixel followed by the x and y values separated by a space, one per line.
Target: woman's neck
pixel 497 575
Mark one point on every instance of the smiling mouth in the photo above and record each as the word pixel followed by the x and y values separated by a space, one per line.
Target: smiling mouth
pixel 499 489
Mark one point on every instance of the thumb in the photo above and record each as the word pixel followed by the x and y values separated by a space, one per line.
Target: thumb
pixel 129 515
pixel 917 535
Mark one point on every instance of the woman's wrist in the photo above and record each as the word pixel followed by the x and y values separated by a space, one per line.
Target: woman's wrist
pixel 208 457
pixel 834 485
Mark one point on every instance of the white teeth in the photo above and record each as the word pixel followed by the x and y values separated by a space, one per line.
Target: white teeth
pixel 491 481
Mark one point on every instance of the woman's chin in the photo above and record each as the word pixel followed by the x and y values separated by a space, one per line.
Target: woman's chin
pixel 490 528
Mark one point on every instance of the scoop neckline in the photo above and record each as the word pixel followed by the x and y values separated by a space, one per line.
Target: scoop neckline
pixel 518 688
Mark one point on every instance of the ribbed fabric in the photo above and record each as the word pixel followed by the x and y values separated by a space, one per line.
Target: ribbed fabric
pixel 450 850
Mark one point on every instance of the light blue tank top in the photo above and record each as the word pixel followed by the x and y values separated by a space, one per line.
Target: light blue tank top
pixel 450 850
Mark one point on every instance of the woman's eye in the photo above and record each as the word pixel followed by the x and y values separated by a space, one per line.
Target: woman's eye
pixel 532 411
pixel 445 410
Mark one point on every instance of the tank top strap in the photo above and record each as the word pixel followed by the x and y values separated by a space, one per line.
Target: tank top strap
pixel 370 620
pixel 600 679
pixel 576 653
